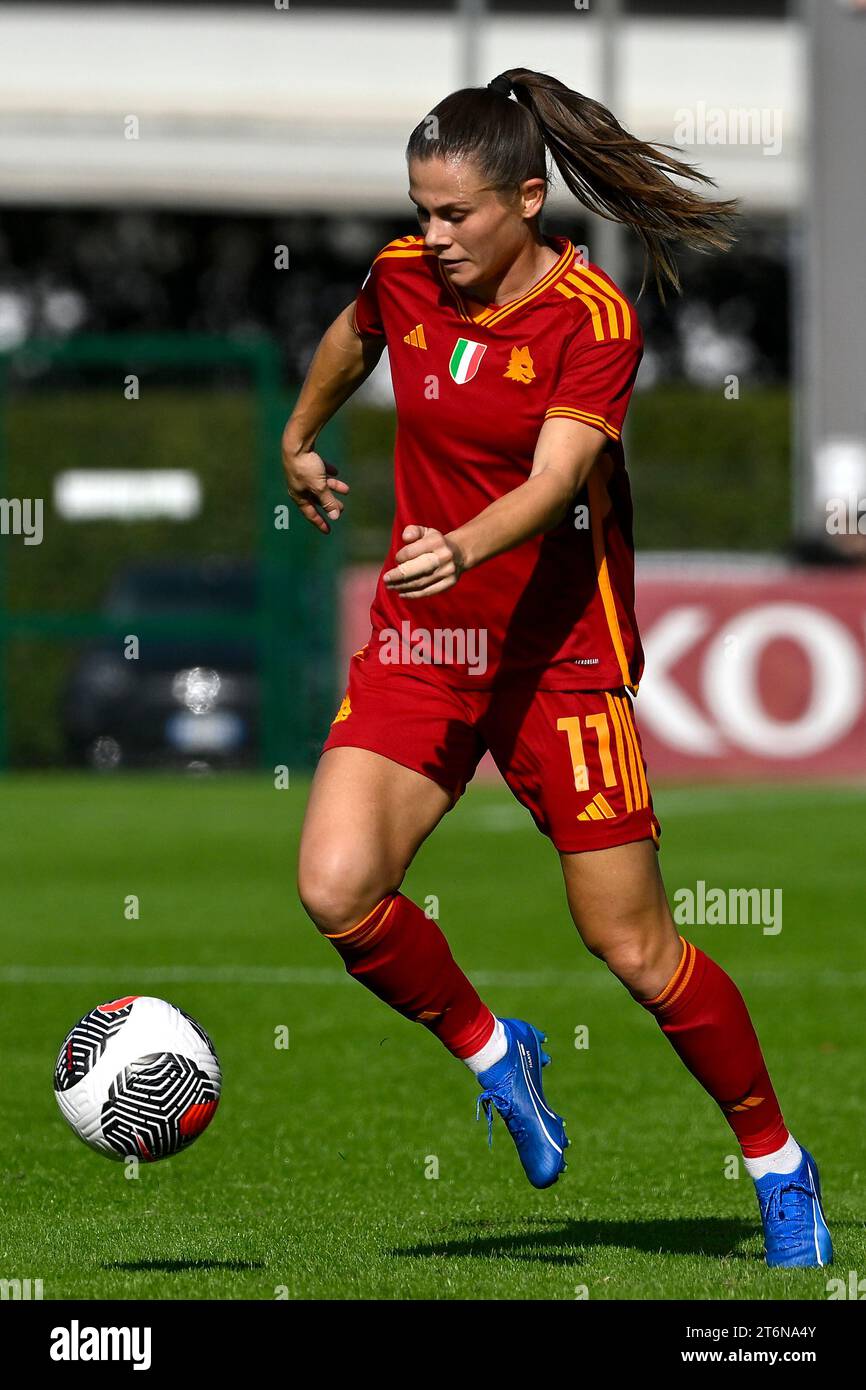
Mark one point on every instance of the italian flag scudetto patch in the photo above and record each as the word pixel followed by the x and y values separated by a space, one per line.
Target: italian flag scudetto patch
pixel 465 359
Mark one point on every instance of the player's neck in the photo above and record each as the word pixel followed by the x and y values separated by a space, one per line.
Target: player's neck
pixel 530 266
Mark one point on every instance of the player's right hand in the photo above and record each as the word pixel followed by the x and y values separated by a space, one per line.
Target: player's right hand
pixel 313 484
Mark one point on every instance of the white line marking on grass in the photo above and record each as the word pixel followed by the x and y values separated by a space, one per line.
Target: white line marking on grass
pixel 254 975
pixel 181 974
pixel 287 975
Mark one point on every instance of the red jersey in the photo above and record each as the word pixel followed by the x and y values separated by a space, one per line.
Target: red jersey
pixel 472 388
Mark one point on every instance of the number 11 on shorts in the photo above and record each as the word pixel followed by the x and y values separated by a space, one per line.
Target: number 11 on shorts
pixel 570 725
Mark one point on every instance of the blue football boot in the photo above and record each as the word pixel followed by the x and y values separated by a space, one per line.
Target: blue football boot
pixel 513 1085
pixel 795 1232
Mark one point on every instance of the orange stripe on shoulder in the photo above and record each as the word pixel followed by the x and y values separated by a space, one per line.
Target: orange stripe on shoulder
pixel 605 287
pixel 610 313
pixel 403 247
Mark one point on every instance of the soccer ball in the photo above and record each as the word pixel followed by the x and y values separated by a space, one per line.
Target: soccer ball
pixel 137 1077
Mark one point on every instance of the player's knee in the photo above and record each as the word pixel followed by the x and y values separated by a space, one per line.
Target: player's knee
pixel 637 963
pixel 336 891
pixel 628 961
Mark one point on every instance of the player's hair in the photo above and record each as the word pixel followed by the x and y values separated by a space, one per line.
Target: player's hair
pixel 609 170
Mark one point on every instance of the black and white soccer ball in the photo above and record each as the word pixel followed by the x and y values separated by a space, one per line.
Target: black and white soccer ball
pixel 138 1077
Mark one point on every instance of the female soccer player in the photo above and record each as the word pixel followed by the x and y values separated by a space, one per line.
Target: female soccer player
pixel 504 614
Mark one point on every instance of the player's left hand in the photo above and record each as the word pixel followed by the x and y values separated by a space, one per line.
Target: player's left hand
pixel 428 564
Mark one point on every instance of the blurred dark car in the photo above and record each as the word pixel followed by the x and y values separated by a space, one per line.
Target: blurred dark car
pixel 190 700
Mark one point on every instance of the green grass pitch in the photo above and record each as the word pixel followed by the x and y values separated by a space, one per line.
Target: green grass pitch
pixel 317 1177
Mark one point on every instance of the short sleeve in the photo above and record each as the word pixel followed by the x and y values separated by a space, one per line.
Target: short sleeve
pixel 367 318
pixel 596 378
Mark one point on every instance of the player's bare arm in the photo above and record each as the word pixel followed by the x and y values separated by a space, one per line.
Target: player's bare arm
pixel 564 457
pixel 341 362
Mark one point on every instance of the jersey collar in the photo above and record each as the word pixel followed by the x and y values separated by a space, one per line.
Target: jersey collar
pixel 494 313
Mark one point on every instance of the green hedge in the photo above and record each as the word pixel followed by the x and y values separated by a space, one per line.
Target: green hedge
pixel 710 474
pixel 210 433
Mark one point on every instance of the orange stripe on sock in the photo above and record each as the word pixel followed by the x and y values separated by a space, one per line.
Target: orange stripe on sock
pixel 684 981
pixel 375 928
pixel 362 936
pixel 674 981
pixel 657 999
pixel 684 972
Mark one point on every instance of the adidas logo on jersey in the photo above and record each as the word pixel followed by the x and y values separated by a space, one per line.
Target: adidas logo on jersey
pixel 416 337
pixel 598 809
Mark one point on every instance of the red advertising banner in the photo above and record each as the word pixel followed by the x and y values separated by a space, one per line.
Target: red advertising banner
pixel 753 669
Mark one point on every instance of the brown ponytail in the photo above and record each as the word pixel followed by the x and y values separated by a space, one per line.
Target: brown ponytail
pixel 608 170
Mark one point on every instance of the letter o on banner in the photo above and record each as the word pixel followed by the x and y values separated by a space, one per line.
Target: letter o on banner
pixel 730 682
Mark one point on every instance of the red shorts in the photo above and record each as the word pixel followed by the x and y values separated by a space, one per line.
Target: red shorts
pixel 572 758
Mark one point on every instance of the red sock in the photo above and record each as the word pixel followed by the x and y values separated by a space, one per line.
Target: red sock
pixel 403 957
pixel 703 1015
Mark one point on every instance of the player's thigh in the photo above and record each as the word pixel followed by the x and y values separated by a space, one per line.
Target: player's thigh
pixel 398 754
pixel 365 820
